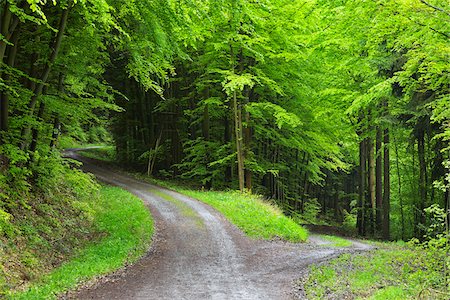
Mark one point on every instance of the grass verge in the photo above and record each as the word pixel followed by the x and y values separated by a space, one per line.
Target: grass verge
pixel 127 226
pixel 392 272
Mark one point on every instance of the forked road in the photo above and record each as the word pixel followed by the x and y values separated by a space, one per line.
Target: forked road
pixel 197 254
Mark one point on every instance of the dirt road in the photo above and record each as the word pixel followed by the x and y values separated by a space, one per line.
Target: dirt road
pixel 198 254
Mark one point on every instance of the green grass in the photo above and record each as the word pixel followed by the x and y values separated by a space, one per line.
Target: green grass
pixel 255 217
pixel 393 272
pixel 128 228
pixel 336 241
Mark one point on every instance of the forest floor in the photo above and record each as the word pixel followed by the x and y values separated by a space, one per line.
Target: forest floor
pixel 197 254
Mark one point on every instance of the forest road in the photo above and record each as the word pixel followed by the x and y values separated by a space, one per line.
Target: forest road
pixel 197 254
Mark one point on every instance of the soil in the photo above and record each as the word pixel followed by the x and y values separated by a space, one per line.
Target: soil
pixel 211 259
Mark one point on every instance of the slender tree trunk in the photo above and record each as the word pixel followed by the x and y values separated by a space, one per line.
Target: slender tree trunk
pixel 5 23
pixel 205 131
pixel 362 188
pixel 378 181
pixel 422 174
pixel 227 139
pixel 371 187
pixel 4 96
pixel 387 187
pixel 238 137
pixel 247 139
pixel 400 198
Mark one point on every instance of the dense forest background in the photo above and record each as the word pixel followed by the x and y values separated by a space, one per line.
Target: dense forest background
pixel 338 108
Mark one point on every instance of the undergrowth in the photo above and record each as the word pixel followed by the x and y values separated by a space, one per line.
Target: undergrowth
pixel 49 212
pixel 126 227
pixel 391 272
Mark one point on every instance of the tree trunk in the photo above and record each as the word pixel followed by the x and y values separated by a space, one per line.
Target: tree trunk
pixel 238 138
pixel 247 139
pixel 5 29
pixel 4 96
pixel 362 188
pixel 371 187
pixel 422 175
pixel 400 198
pixel 378 182
pixel 205 132
pixel 387 187
pixel 227 139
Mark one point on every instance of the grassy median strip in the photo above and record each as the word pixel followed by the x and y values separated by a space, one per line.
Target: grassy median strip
pixel 127 226
pixel 184 209
pixel 255 217
pixel 336 241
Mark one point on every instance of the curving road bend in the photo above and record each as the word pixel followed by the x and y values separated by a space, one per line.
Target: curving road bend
pixel 197 254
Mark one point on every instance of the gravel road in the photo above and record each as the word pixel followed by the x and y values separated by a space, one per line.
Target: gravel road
pixel 197 254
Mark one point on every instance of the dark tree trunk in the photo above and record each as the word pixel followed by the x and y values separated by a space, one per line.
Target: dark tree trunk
pixel 4 96
pixel 238 139
pixel 247 142
pixel 378 181
pixel 362 188
pixel 371 187
pixel 400 197
pixel 227 139
pixel 387 187
pixel 422 174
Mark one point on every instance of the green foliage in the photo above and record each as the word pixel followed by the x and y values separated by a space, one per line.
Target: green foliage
pixel 310 214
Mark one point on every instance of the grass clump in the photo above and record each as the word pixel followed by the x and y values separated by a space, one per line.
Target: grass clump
pixel 393 272
pixel 123 227
pixel 255 217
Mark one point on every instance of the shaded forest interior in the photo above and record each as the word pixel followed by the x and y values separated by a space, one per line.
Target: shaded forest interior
pixel 337 109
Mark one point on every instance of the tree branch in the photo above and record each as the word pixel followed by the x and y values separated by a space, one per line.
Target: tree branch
pixel 431 28
pixel 435 7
